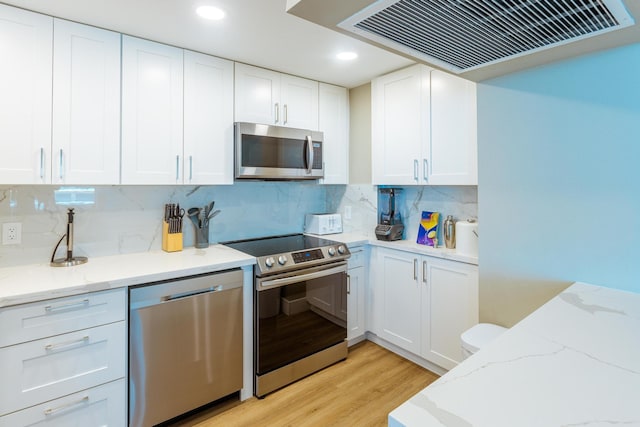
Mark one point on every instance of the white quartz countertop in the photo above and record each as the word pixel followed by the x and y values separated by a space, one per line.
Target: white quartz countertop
pixel 36 282
pixel 573 362
pixel 356 239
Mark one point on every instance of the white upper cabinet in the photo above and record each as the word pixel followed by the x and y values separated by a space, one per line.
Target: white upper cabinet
pixel 423 128
pixel 333 121
pixel 25 100
pixel 268 97
pixel 152 112
pixel 86 105
pixel 208 119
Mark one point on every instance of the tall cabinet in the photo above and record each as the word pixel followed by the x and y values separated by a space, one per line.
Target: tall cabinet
pixel 25 103
pixel 333 121
pixel 423 128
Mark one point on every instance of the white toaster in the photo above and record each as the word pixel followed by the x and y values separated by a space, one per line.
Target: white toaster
pixel 323 223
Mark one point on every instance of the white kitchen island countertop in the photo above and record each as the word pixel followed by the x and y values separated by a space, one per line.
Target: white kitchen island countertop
pixel 28 283
pixel 573 362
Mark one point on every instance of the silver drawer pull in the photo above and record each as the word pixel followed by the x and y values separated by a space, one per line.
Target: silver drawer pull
pixel 69 405
pixel 59 346
pixel 51 308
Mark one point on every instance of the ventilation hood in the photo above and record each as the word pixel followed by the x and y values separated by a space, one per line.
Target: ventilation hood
pixel 480 39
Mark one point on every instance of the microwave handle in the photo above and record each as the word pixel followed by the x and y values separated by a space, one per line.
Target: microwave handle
pixel 309 154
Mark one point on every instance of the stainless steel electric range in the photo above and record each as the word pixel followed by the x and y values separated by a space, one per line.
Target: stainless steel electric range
pixel 300 306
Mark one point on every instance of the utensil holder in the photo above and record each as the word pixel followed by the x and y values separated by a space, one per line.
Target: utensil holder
pixel 171 242
pixel 202 236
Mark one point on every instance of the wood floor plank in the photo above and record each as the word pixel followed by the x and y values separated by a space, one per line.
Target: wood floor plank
pixel 360 391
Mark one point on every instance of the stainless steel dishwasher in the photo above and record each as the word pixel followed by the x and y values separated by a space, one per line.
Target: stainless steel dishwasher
pixel 185 345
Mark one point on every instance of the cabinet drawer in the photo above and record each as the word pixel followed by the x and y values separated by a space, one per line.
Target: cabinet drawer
pixel 104 405
pixel 42 370
pixel 22 323
pixel 357 258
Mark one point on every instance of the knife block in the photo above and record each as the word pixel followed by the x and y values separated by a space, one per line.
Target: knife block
pixel 171 242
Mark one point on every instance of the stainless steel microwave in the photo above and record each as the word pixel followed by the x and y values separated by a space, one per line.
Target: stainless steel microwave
pixel 277 153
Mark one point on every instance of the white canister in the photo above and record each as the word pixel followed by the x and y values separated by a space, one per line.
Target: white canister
pixel 467 237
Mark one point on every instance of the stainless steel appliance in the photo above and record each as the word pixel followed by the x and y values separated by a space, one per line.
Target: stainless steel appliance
pixel 300 307
pixel 277 153
pixel 185 345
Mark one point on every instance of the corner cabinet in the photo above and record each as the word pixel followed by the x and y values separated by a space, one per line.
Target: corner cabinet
pixel 423 128
pixel 152 111
pixel 422 304
pixel 333 121
pixel 272 98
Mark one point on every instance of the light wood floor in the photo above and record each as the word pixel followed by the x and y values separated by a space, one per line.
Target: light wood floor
pixel 360 391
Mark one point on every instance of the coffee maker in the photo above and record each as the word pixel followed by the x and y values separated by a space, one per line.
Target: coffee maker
pixel 390 226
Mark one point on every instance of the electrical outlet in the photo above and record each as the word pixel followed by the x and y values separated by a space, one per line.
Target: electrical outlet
pixel 12 233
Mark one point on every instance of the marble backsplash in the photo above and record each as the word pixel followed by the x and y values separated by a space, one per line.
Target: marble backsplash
pixel 459 201
pixel 127 219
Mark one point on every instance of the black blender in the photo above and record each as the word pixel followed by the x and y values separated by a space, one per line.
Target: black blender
pixel 390 226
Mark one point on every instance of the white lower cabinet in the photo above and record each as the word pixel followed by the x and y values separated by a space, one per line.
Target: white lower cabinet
pixel 422 304
pixel 355 295
pixel 64 361
pixel 104 405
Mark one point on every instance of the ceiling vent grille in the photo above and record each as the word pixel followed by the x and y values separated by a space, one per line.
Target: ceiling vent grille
pixel 462 35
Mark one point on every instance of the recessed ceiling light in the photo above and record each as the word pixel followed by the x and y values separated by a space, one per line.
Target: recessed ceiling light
pixel 347 56
pixel 210 12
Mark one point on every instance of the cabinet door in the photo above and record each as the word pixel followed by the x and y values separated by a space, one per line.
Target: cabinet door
pixel 400 126
pixel 257 95
pixel 450 307
pixel 86 105
pixel 398 299
pixel 152 99
pixel 208 119
pixel 25 103
pixel 299 102
pixel 356 294
pixel 333 122
pixel 104 405
pixel 452 159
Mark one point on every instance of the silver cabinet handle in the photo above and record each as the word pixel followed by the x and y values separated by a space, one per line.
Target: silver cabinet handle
pixel 61 307
pixel 424 272
pixel 415 269
pixel 309 154
pixel 277 111
pixel 177 167
pixel 41 162
pixel 285 114
pixel 190 168
pixel 415 169
pixel 62 345
pixel 52 411
pixel 348 284
pixel 61 165
pixel 426 170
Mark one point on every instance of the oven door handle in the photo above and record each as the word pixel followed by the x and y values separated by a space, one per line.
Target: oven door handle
pixel 302 277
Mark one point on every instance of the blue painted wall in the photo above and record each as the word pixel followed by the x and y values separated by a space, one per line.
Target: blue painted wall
pixel 559 181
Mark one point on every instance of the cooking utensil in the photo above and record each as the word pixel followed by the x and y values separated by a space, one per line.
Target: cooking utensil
pixel 213 214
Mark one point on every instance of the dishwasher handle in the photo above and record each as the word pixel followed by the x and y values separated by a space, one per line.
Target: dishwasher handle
pixel 181 295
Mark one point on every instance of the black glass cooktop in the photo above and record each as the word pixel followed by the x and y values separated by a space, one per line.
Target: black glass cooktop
pixel 278 244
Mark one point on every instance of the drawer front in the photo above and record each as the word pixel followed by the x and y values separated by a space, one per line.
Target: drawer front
pixel 357 257
pixel 104 405
pixel 45 369
pixel 27 322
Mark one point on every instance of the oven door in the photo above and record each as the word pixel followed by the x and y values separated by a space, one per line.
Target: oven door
pixel 298 314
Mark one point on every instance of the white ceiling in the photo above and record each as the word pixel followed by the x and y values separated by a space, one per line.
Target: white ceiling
pixel 257 32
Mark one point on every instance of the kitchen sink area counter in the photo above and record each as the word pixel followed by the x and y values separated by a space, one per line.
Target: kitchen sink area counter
pixel 574 361
pixel 35 282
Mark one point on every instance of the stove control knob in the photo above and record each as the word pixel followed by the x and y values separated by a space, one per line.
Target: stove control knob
pixel 331 251
pixel 282 260
pixel 341 249
pixel 269 262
